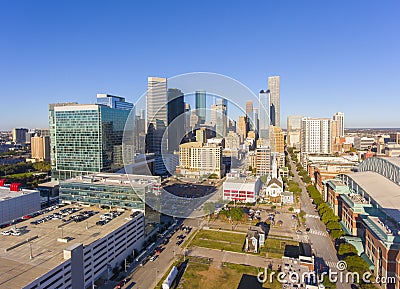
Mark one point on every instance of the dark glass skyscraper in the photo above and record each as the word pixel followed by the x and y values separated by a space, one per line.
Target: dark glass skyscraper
pixel 176 121
pixel 201 106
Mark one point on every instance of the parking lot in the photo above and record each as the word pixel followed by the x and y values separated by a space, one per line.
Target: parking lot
pixel 189 190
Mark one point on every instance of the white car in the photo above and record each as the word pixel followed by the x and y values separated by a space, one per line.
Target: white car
pixel 6 233
pixel 16 233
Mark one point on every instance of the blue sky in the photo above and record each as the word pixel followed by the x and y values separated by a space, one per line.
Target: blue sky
pixel 331 55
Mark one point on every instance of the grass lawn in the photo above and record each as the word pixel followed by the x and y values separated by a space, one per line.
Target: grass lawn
pixel 199 276
pixel 219 240
pixel 275 248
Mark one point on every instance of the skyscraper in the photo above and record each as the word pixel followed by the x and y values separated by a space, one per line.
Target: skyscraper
pixel 264 120
pixel 249 107
pixel 339 117
pixel 40 148
pixel 316 135
pixel 243 127
pixel 219 116
pixel 274 88
pixel 277 140
pixel 156 102
pixel 293 130
pixel 201 105
pixel 86 138
pixel 175 108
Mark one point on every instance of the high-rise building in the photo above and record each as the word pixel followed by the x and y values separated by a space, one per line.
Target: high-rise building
pixel 233 140
pixel 293 131
pixel 339 117
pixel 275 95
pixel 249 107
pixel 156 102
pixel 200 160
pixel 264 119
pixel 40 148
pixel 187 117
pixel 263 161
pixel 85 138
pixel 201 135
pixel 277 140
pixel 19 135
pixel 316 135
pixel 175 108
pixel 113 101
pixel 219 117
pixel 243 127
pixel 201 105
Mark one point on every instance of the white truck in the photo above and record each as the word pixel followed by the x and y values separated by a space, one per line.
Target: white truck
pixel 170 278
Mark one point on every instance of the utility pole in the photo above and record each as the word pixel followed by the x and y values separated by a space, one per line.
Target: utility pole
pixel 30 250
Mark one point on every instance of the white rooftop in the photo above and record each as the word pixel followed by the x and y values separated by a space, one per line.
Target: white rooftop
pixel 385 192
pixel 5 193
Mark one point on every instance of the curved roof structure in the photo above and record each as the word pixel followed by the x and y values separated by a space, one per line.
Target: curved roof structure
pixel 377 189
pixel 388 167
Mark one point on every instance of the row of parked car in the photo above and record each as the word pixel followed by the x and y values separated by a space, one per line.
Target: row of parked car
pixel 107 217
pixel 30 216
pixel 12 232
pixel 56 216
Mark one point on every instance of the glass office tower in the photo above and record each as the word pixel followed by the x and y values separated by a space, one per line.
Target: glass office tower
pixel 85 139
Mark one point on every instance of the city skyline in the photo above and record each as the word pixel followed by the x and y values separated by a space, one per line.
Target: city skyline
pixel 60 62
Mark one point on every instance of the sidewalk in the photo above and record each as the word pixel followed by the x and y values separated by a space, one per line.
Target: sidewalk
pixel 219 256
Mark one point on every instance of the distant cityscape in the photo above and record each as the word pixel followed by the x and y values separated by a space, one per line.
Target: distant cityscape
pixel 88 201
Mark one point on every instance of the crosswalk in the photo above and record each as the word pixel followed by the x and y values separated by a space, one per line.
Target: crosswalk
pixel 331 264
pixel 319 233
pixel 312 216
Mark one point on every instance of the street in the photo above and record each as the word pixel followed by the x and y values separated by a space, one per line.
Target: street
pixel 321 243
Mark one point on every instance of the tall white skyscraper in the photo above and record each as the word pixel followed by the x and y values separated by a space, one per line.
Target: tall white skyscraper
pixel 275 96
pixel 316 135
pixel 156 102
pixel 339 117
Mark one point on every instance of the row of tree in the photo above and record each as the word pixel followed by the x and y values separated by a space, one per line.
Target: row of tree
pixel 23 167
pixel 326 214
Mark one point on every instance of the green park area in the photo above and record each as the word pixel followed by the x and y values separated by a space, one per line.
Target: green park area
pixel 219 240
pixel 274 248
pixel 201 273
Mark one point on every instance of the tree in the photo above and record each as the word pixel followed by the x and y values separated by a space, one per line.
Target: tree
pixel 336 234
pixel 209 208
pixel 306 179
pixel 346 249
pixel 333 226
pixel 356 264
pixel 236 214
pixel 291 209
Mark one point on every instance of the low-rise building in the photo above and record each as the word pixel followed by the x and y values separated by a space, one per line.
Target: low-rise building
pixel 243 189
pixel 363 143
pixel 392 150
pixel 367 204
pixel 16 202
pixel 71 254
pixel 132 192
pixel 287 198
